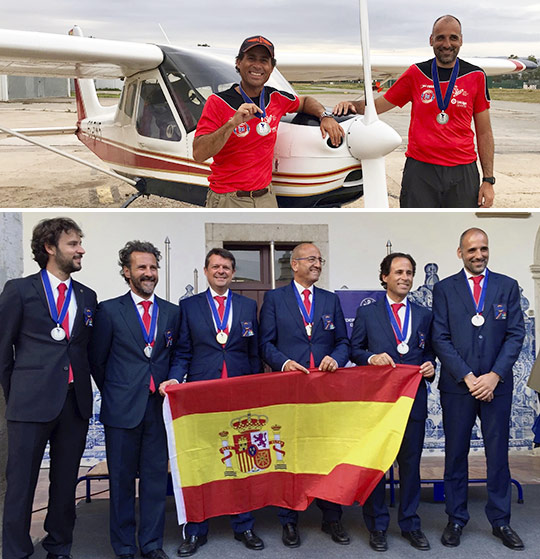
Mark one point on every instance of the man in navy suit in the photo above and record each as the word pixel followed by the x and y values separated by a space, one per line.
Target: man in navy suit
pixel 218 339
pixel 478 332
pixel 46 321
pixel 131 352
pixel 394 330
pixel 303 327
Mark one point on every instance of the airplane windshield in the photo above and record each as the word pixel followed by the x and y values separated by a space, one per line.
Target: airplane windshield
pixel 193 76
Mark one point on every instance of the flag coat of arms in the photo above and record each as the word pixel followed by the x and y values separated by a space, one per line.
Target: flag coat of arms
pixel 243 443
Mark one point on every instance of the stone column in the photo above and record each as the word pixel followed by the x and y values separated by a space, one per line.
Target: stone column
pixel 11 266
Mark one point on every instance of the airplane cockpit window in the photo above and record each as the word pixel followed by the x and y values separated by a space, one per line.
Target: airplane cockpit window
pixel 154 116
pixel 203 71
pixel 129 102
pixel 186 100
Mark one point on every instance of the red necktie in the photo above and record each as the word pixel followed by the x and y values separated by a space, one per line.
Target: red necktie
pixel 147 320
pixel 395 310
pixel 307 303
pixel 221 311
pixel 477 288
pixel 62 287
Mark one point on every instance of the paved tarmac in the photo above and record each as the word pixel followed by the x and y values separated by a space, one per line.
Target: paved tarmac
pixel 91 533
pixel 32 177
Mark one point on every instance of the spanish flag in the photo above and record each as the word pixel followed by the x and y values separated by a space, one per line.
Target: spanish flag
pixel 239 444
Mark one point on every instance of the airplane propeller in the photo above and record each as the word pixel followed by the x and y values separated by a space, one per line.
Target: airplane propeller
pixel 369 139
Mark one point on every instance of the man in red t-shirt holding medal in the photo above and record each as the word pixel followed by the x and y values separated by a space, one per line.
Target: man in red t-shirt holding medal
pixel 238 128
pixel 446 94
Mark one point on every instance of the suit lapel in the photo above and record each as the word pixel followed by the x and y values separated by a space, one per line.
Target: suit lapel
pixel 163 318
pixel 78 292
pixel 131 318
pixel 464 293
pixel 236 307
pixel 318 302
pixel 205 311
pixel 384 320
pixel 292 305
pixel 491 293
pixel 38 286
pixel 415 323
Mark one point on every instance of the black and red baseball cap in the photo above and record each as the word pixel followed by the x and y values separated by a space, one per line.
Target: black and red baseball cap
pixel 256 41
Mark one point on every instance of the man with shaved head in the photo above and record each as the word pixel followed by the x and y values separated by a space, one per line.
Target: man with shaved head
pixel 446 93
pixel 302 328
pixel 478 332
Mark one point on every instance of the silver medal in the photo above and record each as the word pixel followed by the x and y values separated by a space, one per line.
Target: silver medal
pixel 263 128
pixel 442 118
pixel 309 328
pixel 148 351
pixel 477 320
pixel 58 334
pixel 403 348
pixel 222 337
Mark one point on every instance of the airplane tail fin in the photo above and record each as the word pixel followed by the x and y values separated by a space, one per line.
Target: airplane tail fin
pixel 88 104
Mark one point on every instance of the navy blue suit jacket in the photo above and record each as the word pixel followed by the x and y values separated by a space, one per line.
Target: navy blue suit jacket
pixel 199 356
pixel 372 334
pixel 34 368
pixel 283 334
pixel 462 347
pixel 120 367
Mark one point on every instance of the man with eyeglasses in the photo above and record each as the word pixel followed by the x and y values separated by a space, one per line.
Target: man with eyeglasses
pixel 302 327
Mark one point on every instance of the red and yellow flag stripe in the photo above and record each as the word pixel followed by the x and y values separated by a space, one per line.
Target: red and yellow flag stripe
pixel 284 439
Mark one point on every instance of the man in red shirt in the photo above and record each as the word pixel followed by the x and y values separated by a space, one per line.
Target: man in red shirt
pixel 238 128
pixel 446 94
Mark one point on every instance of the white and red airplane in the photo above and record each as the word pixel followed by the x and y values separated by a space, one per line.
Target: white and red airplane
pixel 147 137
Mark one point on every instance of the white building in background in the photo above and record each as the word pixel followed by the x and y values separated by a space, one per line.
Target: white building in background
pixel 26 87
pixel 16 88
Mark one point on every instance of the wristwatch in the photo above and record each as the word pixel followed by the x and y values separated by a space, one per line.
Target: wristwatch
pixel 491 180
pixel 325 114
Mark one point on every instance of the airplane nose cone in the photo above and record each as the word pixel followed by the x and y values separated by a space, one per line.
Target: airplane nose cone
pixel 371 141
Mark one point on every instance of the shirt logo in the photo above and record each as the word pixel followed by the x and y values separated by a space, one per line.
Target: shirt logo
pixel 427 96
pixel 242 130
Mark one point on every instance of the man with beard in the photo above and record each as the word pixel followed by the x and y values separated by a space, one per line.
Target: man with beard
pixel 302 327
pixel 218 340
pixel 46 322
pixel 446 94
pixel 394 330
pixel 238 128
pixel 132 345
pixel 478 333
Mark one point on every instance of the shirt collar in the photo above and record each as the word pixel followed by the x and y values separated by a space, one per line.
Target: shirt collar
pixel 137 298
pixel 391 302
pixel 301 288
pixel 55 282
pixel 468 274
pixel 215 294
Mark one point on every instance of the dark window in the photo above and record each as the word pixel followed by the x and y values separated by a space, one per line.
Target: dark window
pixel 253 271
pixel 154 116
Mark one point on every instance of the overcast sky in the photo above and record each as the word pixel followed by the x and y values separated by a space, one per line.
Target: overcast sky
pixel 490 27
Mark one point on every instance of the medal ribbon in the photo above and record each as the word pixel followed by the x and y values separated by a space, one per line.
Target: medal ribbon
pixel 50 299
pixel 220 324
pixel 151 334
pixel 480 307
pixel 261 101
pixel 401 335
pixel 443 105
pixel 308 317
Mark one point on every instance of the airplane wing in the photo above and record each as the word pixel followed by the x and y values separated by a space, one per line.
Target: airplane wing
pixel 25 53
pixel 336 66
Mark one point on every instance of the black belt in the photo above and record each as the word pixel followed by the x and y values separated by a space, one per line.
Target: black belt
pixel 252 193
